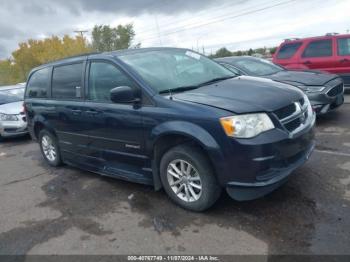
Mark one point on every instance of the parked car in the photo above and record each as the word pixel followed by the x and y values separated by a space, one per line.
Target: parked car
pixel 330 53
pixel 170 118
pixel 12 117
pixel 325 91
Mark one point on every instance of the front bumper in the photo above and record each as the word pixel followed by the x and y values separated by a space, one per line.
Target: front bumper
pixel 13 128
pixel 323 104
pixel 250 191
pixel 251 168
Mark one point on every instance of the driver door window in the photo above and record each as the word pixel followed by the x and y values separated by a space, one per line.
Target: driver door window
pixel 102 78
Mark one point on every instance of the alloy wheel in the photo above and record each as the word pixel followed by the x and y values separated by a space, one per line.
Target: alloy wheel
pixel 48 148
pixel 184 180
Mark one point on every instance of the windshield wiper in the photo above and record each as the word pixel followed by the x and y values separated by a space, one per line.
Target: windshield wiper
pixel 216 80
pixel 178 89
pixel 186 88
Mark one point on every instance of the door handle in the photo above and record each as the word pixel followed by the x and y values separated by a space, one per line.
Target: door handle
pixel 307 63
pixel 92 112
pixel 76 111
pixel 344 60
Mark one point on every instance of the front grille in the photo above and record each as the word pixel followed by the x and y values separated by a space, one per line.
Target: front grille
pixel 338 89
pixel 293 115
pixel 285 111
pixel 292 125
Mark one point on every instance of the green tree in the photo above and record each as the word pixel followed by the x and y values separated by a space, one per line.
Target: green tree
pixel 106 38
pixel 222 52
pixel 272 50
pixel 238 53
pixel 36 52
pixel 8 73
pixel 260 50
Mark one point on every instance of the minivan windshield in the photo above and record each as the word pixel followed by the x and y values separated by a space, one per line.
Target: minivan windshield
pixel 257 67
pixel 175 70
pixel 11 95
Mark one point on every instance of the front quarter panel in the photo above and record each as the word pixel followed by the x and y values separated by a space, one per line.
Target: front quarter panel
pixel 186 129
pixel 196 122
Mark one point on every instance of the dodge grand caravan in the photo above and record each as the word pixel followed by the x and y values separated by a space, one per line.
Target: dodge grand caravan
pixel 170 118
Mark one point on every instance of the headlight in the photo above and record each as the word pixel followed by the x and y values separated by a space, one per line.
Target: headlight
pixel 5 117
pixel 246 126
pixel 312 89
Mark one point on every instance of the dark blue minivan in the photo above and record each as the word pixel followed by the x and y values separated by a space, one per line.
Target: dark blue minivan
pixel 171 118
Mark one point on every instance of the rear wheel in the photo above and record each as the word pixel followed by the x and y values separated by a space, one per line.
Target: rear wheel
pixel 49 148
pixel 188 178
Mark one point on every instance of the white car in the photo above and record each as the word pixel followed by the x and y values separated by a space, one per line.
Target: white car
pixel 12 116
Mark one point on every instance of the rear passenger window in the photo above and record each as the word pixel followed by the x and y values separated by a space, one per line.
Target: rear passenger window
pixel 344 46
pixel 67 81
pixel 320 48
pixel 38 84
pixel 288 50
pixel 104 77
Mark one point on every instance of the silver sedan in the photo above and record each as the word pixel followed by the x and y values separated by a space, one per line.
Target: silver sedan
pixel 12 116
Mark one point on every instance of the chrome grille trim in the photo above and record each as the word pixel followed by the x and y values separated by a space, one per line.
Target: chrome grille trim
pixel 293 116
pixel 300 114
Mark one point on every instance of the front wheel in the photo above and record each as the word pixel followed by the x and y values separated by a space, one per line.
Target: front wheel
pixel 49 148
pixel 188 178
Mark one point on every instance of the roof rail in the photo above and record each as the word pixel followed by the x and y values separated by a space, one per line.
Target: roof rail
pixel 330 34
pixel 74 56
pixel 291 39
pixel 83 54
pixel 64 58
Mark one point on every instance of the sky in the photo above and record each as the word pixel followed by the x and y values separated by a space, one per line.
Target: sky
pixel 204 25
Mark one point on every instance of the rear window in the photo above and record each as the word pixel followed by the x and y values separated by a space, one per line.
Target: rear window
pixel 38 84
pixel 67 81
pixel 288 50
pixel 319 48
pixel 344 46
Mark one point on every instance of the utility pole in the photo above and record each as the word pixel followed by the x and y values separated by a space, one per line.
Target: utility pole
pixel 158 30
pixel 81 32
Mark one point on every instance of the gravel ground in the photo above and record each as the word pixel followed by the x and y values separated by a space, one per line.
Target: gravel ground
pixel 45 210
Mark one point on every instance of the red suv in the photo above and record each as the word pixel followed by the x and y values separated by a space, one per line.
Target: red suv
pixel 330 53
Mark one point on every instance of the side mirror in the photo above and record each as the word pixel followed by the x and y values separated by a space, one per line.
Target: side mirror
pixel 124 95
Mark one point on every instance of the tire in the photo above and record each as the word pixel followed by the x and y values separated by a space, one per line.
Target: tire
pixel 182 156
pixel 53 159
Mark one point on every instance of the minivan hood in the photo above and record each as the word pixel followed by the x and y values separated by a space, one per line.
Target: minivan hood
pixel 12 108
pixel 306 78
pixel 244 94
